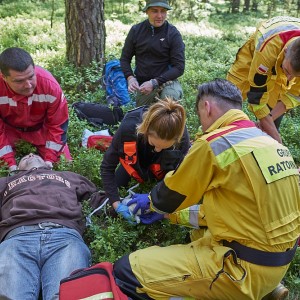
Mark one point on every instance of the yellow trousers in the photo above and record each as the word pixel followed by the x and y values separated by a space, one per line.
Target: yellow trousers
pixel 203 269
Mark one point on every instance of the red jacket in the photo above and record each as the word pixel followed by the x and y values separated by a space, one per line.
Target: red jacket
pixel 46 109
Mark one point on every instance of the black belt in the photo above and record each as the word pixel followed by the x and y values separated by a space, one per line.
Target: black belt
pixel 27 228
pixel 25 129
pixel 29 129
pixel 262 258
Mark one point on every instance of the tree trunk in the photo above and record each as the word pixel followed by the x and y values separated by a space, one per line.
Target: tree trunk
pixel 246 5
pixel 85 31
pixel 235 6
pixel 254 5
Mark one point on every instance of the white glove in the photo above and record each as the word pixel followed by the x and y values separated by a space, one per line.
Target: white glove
pixel 49 164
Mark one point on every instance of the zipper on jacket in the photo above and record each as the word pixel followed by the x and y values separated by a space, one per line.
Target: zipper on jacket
pixel 152 28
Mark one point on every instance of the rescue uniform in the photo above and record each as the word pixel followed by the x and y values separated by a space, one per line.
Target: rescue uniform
pixel 245 186
pixel 159 54
pixel 40 119
pixel 143 153
pixel 257 70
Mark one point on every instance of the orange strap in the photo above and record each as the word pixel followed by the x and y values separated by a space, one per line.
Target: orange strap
pixel 131 171
pixel 130 152
pixel 130 159
pixel 157 171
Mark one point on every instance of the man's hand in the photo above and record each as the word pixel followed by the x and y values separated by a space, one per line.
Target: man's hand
pixel 146 88
pixel 151 217
pixel 123 210
pixel 133 84
pixel 267 125
pixel 141 202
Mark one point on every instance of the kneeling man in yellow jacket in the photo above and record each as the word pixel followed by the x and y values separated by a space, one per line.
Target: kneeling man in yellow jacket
pixel 245 186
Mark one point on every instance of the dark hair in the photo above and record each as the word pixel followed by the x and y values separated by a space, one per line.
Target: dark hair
pixel 15 59
pixel 293 55
pixel 165 118
pixel 221 90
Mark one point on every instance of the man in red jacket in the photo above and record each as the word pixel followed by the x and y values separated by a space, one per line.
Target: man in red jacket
pixel 33 108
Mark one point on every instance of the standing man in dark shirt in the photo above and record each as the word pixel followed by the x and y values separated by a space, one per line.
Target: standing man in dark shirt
pixel 159 56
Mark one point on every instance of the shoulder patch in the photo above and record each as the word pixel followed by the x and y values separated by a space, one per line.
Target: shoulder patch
pixel 263 69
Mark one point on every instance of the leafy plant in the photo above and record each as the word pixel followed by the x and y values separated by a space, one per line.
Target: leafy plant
pixel 211 40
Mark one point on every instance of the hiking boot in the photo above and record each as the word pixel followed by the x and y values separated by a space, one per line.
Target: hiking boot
pixel 279 293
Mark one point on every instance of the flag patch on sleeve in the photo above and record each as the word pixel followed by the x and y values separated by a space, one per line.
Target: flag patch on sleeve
pixel 263 69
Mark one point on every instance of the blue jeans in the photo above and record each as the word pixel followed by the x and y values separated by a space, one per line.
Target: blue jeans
pixel 40 259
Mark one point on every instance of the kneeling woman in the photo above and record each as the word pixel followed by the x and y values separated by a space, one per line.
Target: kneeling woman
pixel 149 142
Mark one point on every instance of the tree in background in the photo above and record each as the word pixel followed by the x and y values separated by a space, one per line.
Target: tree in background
pixel 235 6
pixel 85 31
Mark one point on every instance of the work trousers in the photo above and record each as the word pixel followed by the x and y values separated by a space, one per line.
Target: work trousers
pixel 203 269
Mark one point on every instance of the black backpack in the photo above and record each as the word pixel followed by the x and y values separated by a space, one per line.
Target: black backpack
pixel 98 114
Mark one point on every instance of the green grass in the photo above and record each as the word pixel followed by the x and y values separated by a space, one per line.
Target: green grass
pixel 211 43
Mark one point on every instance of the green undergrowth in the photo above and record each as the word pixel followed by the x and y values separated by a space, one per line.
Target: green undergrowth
pixel 212 39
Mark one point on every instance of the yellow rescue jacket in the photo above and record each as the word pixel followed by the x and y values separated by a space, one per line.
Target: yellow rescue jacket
pixel 258 71
pixel 246 184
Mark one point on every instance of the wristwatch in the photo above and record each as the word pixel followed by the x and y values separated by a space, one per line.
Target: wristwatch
pixel 154 83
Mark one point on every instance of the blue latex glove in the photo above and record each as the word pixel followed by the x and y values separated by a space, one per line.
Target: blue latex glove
pixel 151 217
pixel 142 202
pixel 123 210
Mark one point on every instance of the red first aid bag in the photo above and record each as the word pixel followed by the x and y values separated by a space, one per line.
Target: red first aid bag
pixel 100 142
pixel 96 282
